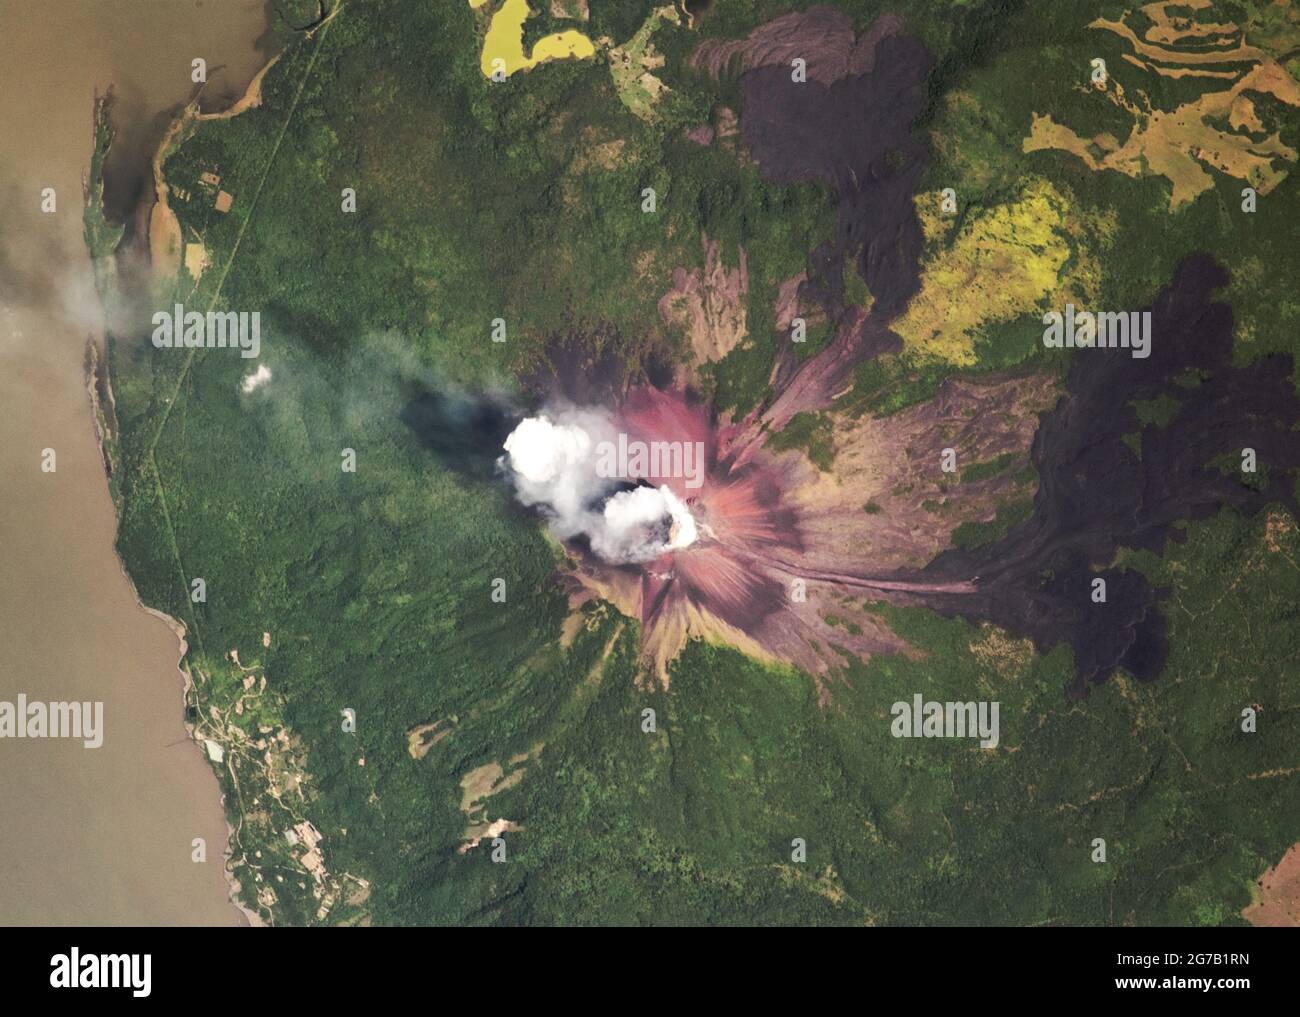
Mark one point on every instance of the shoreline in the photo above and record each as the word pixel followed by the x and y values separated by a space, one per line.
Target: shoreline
pixel 244 915
pixel 96 373
pixel 97 360
pixel 164 227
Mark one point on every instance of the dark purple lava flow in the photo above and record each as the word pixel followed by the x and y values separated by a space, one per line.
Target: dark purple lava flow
pixel 851 125
pixel 1096 495
pixel 854 134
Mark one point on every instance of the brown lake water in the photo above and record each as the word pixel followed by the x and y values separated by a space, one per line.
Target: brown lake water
pixel 103 835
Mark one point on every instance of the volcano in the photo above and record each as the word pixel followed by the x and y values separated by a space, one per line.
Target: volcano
pixel 763 551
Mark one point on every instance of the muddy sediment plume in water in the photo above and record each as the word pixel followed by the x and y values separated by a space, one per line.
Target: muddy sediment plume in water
pixel 103 836
pixel 1097 496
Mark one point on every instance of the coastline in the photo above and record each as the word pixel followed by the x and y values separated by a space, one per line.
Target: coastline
pixel 162 247
pixel 246 917
pixel 164 229
pixel 107 838
pixel 97 379
pixel 251 99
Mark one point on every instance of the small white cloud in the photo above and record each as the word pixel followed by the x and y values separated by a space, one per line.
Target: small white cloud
pixel 256 380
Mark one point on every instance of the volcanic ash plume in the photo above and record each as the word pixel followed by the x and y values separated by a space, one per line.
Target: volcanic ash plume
pixel 552 459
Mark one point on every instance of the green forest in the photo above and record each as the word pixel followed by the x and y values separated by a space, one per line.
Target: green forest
pixel 359 603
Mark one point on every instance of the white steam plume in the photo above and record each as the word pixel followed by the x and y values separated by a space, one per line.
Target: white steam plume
pixel 552 460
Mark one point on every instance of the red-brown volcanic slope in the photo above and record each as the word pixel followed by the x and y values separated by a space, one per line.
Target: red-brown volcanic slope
pixel 770 522
pixel 773 521
pixel 1279 894
pixel 788 555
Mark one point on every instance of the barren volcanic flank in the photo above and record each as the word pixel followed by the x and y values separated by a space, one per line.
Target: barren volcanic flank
pixel 766 552
pixel 788 560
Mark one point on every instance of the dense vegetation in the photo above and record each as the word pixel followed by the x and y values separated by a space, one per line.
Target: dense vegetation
pixel 523 201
